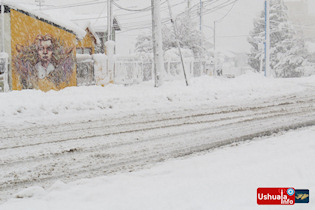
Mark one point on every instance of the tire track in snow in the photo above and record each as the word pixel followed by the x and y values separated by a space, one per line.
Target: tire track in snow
pixel 137 148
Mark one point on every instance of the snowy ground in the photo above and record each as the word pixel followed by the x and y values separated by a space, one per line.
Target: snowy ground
pixel 86 132
pixel 31 106
pixel 225 178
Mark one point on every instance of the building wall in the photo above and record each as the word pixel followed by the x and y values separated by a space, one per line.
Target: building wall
pixel 36 42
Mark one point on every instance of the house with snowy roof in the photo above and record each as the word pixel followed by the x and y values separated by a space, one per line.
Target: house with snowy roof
pixel 99 31
pixel 41 50
pixel 90 41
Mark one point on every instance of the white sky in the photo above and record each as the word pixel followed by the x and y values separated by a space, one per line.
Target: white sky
pixel 231 31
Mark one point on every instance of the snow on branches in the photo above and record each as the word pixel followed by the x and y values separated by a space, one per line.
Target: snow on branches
pixel 287 50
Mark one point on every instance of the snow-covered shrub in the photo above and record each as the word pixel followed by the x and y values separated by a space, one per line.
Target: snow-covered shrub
pixel 189 37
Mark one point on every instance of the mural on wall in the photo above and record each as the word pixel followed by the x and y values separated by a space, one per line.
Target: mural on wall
pixel 44 62
pixel 43 54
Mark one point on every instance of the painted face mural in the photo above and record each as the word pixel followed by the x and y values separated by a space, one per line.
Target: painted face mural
pixel 44 46
pixel 44 64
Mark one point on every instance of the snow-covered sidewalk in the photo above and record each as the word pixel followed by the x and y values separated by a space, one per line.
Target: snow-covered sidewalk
pixel 32 106
pixel 225 178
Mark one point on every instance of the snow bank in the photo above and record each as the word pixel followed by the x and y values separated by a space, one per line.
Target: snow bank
pixel 84 58
pixel 208 181
pixel 37 106
pixel 100 69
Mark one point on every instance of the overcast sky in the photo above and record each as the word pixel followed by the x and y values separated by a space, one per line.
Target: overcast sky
pixel 231 32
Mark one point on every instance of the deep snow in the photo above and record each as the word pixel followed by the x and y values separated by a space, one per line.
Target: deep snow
pixel 225 178
pixel 34 106
pixel 222 179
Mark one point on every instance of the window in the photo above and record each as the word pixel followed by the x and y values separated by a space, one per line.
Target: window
pixel 79 50
pixel 86 50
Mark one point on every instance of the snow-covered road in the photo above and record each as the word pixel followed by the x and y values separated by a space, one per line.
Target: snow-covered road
pixel 41 154
pixel 220 179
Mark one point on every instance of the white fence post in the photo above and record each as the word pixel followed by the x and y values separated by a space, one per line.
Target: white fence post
pixel 110 48
pixel 4 63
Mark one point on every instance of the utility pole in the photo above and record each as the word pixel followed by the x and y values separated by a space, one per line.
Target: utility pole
pixel 3 54
pixel 214 50
pixel 158 60
pixel 109 20
pixel 110 44
pixel 40 3
pixel 2 26
pixel 188 8
pixel 177 41
pixel 200 19
pixel 267 39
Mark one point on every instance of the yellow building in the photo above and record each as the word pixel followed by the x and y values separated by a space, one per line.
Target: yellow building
pixel 41 51
pixel 88 44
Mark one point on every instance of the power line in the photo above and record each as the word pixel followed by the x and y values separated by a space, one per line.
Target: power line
pixel 100 15
pixel 221 19
pixel 132 10
pixel 220 6
pixel 88 18
pixel 195 9
pixel 143 24
pixel 75 5
pixel 217 7
pixel 233 36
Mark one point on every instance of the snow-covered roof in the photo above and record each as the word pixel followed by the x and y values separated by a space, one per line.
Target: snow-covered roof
pixel 87 25
pixel 116 24
pixel 59 22
pixel 96 27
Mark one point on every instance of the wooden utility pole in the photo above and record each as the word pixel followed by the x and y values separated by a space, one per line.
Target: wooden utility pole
pixel 177 41
pixel 158 61
pixel 3 54
pixel 2 26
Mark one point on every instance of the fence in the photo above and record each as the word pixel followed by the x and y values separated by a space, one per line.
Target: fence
pixel 4 82
pixel 85 70
pixel 193 68
pixel 130 70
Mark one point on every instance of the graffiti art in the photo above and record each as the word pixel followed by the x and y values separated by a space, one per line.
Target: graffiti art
pixel 44 63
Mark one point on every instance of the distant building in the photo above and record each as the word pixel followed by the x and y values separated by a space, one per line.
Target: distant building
pixel 89 43
pixel 102 34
